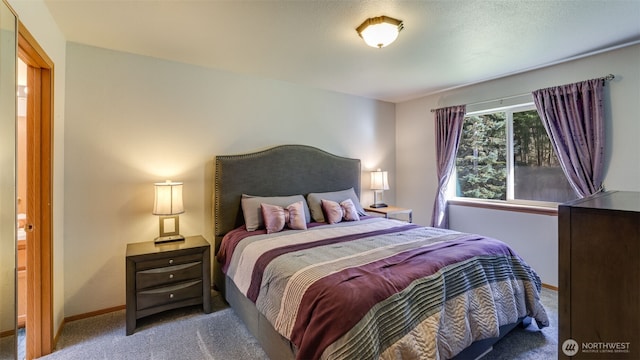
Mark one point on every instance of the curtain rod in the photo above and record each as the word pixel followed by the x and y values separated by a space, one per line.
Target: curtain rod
pixel 604 78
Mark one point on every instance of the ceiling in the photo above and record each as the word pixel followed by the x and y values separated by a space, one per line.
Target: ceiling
pixel 444 44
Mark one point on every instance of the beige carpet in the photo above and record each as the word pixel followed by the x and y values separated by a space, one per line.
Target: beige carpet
pixel 189 334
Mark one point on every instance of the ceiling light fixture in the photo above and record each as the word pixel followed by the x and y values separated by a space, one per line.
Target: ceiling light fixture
pixel 380 31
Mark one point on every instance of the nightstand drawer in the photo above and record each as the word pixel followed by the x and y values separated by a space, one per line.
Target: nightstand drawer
pixel 169 294
pixel 168 275
pixel 168 261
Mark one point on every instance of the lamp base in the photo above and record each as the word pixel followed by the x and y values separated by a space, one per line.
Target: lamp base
pixel 166 239
pixel 379 205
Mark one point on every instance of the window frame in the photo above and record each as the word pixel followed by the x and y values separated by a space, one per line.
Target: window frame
pixel 535 206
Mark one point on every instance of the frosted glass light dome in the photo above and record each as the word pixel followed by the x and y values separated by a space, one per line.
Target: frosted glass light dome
pixel 380 31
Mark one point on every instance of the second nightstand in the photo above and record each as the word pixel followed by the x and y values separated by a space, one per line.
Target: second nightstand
pixel 390 211
pixel 167 276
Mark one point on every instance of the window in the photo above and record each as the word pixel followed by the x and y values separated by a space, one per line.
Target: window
pixel 505 154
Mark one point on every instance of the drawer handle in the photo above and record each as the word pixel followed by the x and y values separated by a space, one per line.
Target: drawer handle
pixel 170 261
pixel 170 276
pixel 170 296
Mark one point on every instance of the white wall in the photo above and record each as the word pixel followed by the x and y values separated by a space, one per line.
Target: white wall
pixel 133 120
pixel 35 16
pixel 537 242
pixel 532 236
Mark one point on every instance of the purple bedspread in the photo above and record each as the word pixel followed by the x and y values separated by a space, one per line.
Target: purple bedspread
pixel 369 288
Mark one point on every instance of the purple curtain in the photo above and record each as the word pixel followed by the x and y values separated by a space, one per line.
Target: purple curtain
pixel 573 116
pixel 448 123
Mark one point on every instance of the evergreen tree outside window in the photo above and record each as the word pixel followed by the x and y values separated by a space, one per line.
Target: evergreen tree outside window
pixel 506 155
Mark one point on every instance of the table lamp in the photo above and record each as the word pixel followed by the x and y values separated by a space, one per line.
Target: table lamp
pixel 168 204
pixel 379 183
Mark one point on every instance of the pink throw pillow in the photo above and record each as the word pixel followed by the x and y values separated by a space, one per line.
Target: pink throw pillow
pixel 276 217
pixel 297 219
pixel 350 211
pixel 335 213
pixel 332 211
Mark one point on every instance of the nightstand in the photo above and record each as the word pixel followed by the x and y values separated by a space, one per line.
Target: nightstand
pixel 167 276
pixel 391 211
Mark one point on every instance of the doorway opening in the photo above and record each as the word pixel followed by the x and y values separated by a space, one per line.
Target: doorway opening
pixel 35 175
pixel 21 153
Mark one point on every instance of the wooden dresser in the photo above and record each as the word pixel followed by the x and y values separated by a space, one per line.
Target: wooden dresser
pixel 599 277
pixel 167 276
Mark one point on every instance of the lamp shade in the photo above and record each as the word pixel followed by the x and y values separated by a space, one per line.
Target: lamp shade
pixel 380 31
pixel 379 180
pixel 168 200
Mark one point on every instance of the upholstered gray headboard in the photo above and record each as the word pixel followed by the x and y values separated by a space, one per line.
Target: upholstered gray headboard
pixel 278 171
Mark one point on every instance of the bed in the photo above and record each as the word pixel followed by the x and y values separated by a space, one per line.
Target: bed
pixel 361 287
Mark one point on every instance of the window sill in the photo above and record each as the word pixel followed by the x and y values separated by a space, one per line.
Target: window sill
pixel 505 206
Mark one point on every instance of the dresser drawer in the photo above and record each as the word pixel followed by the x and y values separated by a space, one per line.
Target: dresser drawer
pixel 168 261
pixel 168 275
pixel 169 294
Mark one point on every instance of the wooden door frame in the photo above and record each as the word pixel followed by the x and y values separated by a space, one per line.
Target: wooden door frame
pixel 40 190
